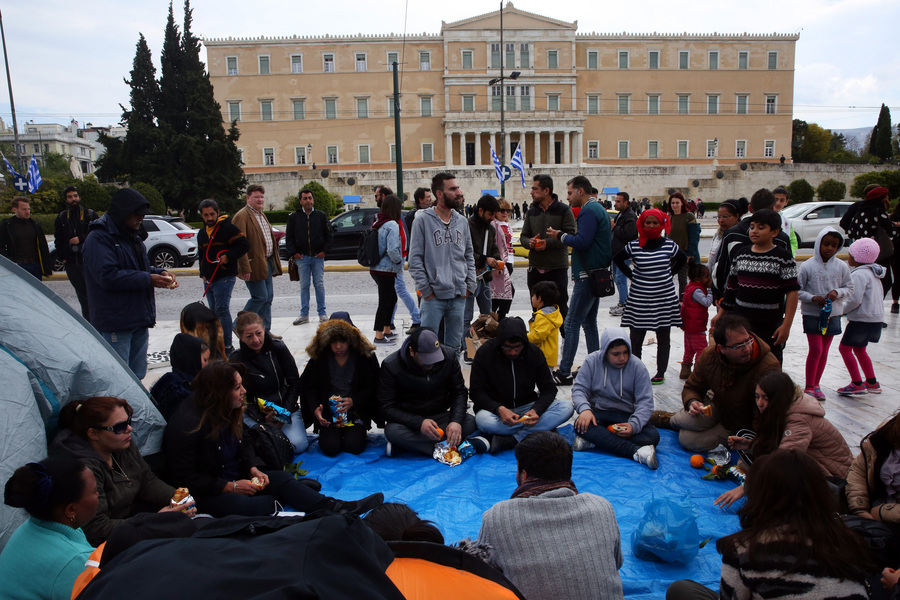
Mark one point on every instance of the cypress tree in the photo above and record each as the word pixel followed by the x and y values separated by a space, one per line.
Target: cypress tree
pixel 881 136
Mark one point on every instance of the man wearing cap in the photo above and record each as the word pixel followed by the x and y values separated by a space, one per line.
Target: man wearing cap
pixel 421 394
pixel 120 279
pixel 71 229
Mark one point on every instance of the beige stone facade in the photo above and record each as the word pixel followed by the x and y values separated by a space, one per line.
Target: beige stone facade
pixel 581 99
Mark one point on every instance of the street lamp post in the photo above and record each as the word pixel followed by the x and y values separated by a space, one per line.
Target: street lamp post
pixel 514 75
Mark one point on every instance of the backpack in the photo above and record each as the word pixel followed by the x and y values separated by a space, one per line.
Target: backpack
pixel 367 253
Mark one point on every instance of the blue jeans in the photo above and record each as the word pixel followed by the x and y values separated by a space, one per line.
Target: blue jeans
pixel 296 432
pixel 606 440
pixel 33 268
pixel 483 297
pixel 310 265
pixel 621 282
pixel 261 295
pixel 582 314
pixel 219 297
pixel 451 311
pixel 407 299
pixel 131 346
pixel 556 414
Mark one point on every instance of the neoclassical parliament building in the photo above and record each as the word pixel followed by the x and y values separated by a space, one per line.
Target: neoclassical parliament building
pixel 568 98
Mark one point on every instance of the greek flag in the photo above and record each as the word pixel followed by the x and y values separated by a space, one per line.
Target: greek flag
pixel 9 167
pixel 34 176
pixel 518 162
pixel 496 163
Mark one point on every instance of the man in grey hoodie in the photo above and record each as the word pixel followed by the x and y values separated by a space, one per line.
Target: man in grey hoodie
pixel 441 260
pixel 611 390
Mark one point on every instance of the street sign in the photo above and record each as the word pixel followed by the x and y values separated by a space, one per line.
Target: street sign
pixel 20 184
pixel 506 172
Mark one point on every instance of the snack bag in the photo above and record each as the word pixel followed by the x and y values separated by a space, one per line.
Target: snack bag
pixel 452 455
pixel 338 418
pixel 182 497
pixel 279 413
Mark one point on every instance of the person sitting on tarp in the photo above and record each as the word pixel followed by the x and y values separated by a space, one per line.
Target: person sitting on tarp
pixel 422 394
pixel 505 372
pixel 548 539
pixel 424 568
pixel 200 321
pixel 97 431
pixel 188 354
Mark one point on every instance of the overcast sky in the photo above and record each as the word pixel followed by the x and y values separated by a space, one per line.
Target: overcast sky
pixel 68 59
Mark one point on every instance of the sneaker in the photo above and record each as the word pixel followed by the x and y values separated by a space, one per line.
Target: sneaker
pixel 481 445
pixel 274 336
pixel 618 310
pixel 811 391
pixel 873 388
pixel 301 320
pixel 853 390
pixel 322 318
pixel 895 308
pixel 391 336
pixel 385 341
pixel 581 444
pixel 658 380
pixel 561 379
pixel 388 450
pixel 818 394
pixel 466 359
pixel 661 419
pixel 646 455
pixel 415 327
pixel 502 443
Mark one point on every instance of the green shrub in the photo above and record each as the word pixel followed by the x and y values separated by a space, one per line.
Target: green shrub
pixel 831 190
pixel 47 222
pixel 888 178
pixel 157 204
pixel 800 190
pixel 322 199
pixel 277 217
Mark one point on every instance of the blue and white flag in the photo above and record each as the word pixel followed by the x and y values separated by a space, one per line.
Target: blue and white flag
pixel 9 168
pixel 496 163
pixel 34 176
pixel 517 162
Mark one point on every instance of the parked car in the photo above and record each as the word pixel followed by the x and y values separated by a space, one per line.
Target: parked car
pixel 348 228
pixel 170 242
pixel 809 218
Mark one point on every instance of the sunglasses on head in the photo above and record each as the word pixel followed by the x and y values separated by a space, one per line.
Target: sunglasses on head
pixel 120 427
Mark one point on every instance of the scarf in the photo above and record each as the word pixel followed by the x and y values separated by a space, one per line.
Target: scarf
pixel 535 487
pixel 646 234
pixel 210 231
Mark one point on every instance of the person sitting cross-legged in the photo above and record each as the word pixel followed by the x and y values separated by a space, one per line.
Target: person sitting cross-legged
pixel 505 372
pixel 614 399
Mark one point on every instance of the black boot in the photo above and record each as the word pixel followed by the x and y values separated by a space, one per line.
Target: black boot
pixel 313 484
pixel 355 507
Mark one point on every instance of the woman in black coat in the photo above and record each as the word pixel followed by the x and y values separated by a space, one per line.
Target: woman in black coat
pixel 869 219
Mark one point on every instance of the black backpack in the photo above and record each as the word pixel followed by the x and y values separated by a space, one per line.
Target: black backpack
pixel 367 253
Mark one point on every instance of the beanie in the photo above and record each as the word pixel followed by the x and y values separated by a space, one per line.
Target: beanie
pixel 877 193
pixel 865 251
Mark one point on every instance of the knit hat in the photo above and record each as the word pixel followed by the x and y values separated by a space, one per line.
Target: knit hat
pixel 865 251
pixel 877 193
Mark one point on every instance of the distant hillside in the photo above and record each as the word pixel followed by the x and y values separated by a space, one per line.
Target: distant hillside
pixel 856 138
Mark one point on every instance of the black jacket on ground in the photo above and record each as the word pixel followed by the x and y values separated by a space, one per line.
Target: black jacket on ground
pixel 498 381
pixel 271 374
pixel 408 395
pixel 226 236
pixel 624 231
pixel 72 222
pixel 194 460
pixel 308 234
pixel 8 247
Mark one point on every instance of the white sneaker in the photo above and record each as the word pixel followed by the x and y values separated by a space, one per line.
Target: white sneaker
pixel 581 444
pixel 618 310
pixel 387 449
pixel 646 455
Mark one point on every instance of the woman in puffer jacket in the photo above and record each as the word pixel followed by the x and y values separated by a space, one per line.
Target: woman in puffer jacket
pixel 873 485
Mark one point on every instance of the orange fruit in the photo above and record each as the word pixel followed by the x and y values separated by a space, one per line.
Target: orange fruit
pixel 440 432
pixel 697 461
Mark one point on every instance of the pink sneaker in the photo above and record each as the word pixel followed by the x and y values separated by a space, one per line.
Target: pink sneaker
pixel 818 394
pixel 873 388
pixel 853 390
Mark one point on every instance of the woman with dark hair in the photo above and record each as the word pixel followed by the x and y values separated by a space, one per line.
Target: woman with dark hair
pixel 270 373
pixel 200 321
pixel 792 543
pixel 685 232
pixel 391 241
pixel 791 420
pixel 395 522
pixel 46 554
pixel 97 431
pixel 338 385
pixel 728 215
pixel 205 453
pixel 188 354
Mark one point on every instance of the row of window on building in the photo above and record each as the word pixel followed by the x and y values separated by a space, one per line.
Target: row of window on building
pixel 519 98
pixel 302 154
pixel 510 58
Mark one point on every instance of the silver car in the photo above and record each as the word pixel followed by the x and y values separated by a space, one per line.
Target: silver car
pixel 170 242
pixel 809 218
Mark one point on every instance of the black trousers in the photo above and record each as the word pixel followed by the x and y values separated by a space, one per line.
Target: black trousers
pixel 334 440
pixel 76 278
pixel 387 298
pixel 282 488
pixel 663 345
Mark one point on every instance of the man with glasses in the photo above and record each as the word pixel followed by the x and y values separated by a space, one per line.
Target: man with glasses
pixel 505 372
pixel 718 397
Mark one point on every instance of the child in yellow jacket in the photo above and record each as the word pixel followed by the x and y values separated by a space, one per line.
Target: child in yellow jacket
pixel 543 328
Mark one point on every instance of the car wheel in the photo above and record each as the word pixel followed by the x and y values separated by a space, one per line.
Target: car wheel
pixel 165 258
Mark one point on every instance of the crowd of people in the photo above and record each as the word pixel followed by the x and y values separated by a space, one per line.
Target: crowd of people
pixel 236 416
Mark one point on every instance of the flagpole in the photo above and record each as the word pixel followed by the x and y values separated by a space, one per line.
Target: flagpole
pixel 12 105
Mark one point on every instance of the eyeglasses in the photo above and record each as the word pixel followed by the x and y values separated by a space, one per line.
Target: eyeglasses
pixel 748 342
pixel 118 428
pixel 503 210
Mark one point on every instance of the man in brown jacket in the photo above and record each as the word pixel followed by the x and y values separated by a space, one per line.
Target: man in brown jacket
pixel 724 378
pixel 262 262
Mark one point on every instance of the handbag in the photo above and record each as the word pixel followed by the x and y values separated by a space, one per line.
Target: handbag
pixel 293 270
pixel 881 538
pixel 271 445
pixel 601 282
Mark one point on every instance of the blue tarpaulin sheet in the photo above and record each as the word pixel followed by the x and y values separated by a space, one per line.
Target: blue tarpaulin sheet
pixel 456 497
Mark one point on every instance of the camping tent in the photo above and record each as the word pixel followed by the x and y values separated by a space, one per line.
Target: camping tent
pixel 49 355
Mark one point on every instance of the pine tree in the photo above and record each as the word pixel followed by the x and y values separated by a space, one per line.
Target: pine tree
pixel 881 136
